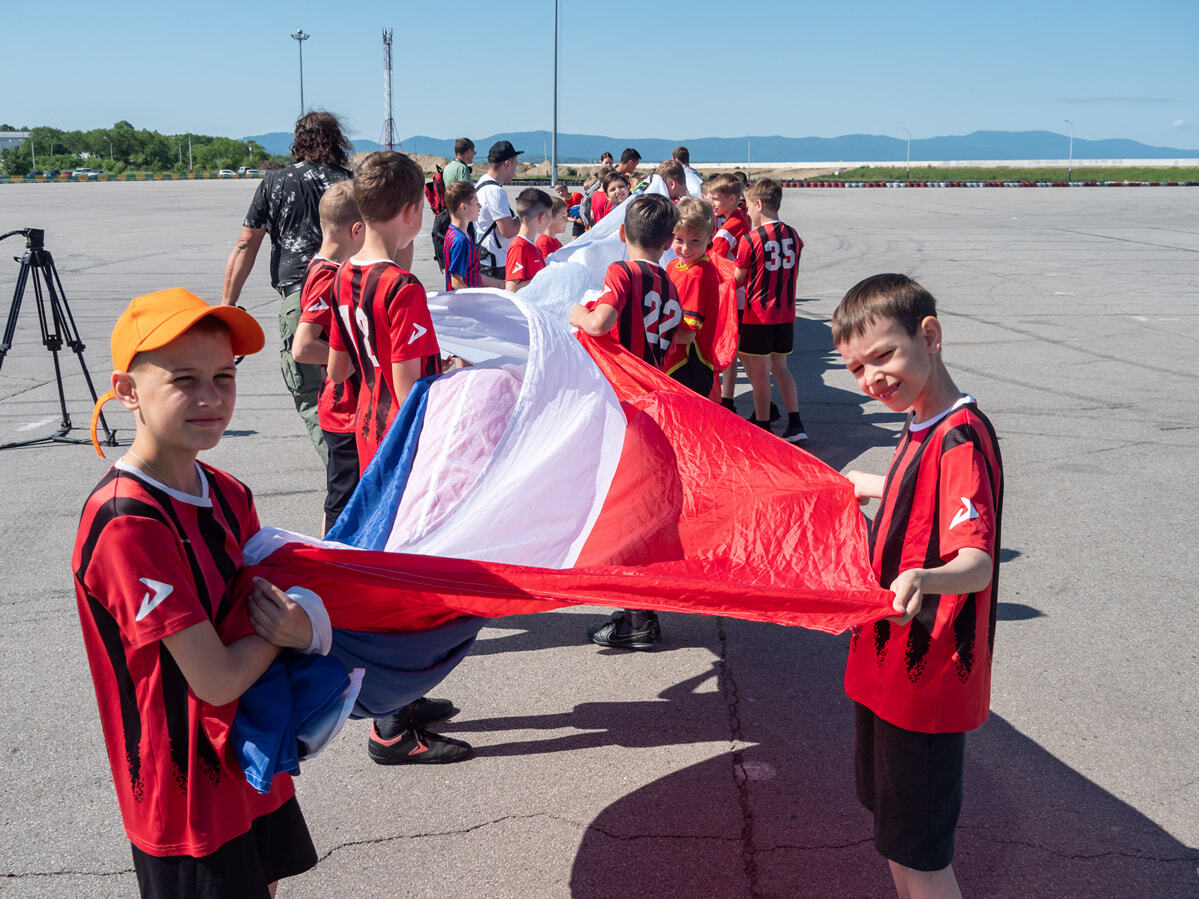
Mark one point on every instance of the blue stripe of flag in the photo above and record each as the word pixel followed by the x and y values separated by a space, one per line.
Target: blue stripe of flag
pixel 368 516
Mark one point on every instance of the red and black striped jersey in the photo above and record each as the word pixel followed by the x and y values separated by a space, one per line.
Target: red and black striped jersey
pixel 150 562
pixel 338 403
pixel 943 493
pixel 770 255
pixel 647 306
pixel 729 231
pixel 382 318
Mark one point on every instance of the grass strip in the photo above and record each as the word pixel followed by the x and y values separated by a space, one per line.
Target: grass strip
pixel 963 173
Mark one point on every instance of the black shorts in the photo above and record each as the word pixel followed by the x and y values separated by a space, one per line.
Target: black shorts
pixel 693 372
pixel 766 340
pixel 912 783
pixel 341 475
pixel 276 846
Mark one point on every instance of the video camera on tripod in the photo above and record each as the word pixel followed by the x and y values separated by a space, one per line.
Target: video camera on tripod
pixel 57 328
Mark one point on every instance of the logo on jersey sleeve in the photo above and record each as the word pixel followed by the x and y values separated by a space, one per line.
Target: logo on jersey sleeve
pixel 518 267
pixel 319 306
pixel 417 333
pixel 150 602
pixel 966 513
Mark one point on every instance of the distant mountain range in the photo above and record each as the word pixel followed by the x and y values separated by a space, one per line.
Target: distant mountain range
pixel 584 148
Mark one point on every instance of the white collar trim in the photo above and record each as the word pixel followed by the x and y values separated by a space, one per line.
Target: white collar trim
pixel 203 500
pixel 363 263
pixel 921 425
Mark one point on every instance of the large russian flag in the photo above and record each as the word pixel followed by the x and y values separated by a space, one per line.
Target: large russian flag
pixel 556 471
pixel 561 471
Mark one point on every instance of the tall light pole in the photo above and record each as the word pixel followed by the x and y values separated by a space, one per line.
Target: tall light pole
pixel 1070 163
pixel 389 129
pixel 299 37
pixel 907 164
pixel 554 144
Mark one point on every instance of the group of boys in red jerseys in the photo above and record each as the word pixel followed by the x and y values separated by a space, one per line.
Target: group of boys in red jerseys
pixel 541 217
pixel 162 534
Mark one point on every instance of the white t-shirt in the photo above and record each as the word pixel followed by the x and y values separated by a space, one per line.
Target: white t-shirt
pixel 493 204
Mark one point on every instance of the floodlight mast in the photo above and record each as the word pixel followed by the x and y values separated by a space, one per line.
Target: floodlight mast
pixel 907 165
pixel 299 37
pixel 389 131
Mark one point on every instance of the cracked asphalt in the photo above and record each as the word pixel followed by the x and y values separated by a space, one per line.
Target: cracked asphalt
pixel 720 765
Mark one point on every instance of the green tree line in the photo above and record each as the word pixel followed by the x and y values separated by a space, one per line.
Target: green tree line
pixel 125 148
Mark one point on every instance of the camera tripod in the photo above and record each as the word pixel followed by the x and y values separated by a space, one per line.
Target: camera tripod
pixel 57 325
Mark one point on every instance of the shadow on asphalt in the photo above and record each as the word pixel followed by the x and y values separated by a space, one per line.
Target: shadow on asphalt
pixel 1031 825
pixel 546 630
pixel 780 818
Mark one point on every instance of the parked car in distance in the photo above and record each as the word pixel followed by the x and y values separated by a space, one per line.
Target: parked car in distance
pixel 226 173
pixel 35 174
pixel 86 173
pixel 52 173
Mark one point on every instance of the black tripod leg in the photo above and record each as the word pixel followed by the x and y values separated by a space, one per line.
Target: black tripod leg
pixel 14 310
pixel 66 321
pixel 51 338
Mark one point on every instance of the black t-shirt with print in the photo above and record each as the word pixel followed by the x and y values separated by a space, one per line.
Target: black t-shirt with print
pixel 286 204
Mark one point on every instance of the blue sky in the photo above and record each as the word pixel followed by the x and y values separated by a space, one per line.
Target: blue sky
pixel 628 69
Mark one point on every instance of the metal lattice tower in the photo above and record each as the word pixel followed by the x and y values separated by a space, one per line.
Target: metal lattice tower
pixel 388 139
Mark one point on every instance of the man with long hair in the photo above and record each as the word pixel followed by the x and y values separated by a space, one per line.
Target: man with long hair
pixel 286 207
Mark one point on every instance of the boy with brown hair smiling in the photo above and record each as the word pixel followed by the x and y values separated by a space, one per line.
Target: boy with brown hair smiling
pixel 921 680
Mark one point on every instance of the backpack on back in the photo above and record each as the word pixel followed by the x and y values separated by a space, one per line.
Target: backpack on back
pixel 435 192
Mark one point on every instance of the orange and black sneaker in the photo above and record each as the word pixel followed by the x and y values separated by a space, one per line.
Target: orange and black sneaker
pixel 416 746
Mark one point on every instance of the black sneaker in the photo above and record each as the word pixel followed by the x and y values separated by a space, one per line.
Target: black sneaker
pixel 425 710
pixel 619 634
pixel 794 432
pixel 416 746
pixel 728 403
pixel 775 414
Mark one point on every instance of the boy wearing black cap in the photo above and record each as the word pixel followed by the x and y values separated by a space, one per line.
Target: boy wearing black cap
pixel 496 223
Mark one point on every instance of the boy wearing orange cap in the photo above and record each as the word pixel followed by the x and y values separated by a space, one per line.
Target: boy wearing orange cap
pixel 158 544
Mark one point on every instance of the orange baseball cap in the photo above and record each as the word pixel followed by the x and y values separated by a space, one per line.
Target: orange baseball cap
pixel 154 320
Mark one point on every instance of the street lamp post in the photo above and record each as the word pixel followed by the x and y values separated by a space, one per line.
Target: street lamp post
pixel 554 144
pixel 1070 163
pixel 299 37
pixel 907 164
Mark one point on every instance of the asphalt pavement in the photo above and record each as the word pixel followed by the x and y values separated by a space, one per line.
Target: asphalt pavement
pixel 719 766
